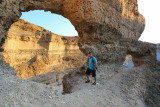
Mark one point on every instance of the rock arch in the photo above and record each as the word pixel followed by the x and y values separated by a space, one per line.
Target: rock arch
pixel 107 28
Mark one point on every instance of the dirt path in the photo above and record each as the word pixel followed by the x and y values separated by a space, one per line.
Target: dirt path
pixel 110 91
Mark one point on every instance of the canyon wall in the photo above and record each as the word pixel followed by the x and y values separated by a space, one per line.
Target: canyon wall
pixel 32 50
pixel 105 27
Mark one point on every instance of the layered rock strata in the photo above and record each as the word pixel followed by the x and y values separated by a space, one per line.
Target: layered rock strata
pixel 32 50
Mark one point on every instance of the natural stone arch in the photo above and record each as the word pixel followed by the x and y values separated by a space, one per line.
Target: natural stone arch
pixel 143 53
pixel 113 24
pixel 107 28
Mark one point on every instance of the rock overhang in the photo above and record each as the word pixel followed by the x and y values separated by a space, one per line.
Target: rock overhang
pixel 107 28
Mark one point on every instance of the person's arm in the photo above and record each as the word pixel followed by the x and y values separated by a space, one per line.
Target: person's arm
pixel 95 65
pixel 88 56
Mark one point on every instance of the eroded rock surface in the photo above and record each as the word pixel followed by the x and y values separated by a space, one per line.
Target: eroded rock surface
pixel 105 27
pixel 32 50
pixel 143 53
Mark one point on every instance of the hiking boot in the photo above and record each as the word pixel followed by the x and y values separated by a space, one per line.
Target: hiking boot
pixel 94 83
pixel 87 81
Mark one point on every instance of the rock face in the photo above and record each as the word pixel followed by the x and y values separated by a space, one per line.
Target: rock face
pixel 106 27
pixel 32 50
pixel 158 47
pixel 143 53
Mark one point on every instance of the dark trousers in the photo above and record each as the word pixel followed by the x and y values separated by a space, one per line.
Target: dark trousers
pixel 89 71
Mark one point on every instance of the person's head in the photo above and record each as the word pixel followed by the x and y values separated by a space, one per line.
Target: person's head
pixel 90 54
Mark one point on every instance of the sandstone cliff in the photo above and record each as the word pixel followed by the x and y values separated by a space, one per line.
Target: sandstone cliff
pixel 32 50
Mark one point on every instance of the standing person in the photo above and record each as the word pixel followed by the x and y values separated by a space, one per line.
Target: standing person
pixel 92 68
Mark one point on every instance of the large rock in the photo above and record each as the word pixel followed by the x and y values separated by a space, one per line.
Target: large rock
pixel 106 27
pixel 143 53
pixel 32 50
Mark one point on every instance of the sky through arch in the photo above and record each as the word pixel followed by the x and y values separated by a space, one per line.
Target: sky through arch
pixel 52 22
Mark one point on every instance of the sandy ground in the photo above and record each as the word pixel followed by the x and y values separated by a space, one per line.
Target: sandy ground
pixel 116 87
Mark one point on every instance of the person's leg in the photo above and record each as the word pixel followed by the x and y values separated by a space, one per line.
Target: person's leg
pixel 94 75
pixel 95 79
pixel 87 75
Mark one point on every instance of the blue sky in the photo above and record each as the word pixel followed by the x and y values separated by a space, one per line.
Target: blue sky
pixel 52 22
pixel 62 26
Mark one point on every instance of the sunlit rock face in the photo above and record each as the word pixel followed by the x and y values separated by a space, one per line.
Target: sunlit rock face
pixel 105 27
pixel 32 50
